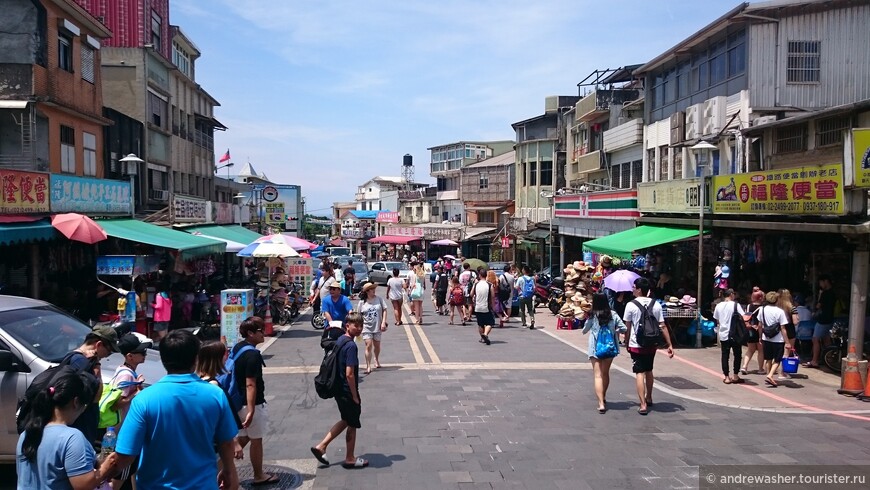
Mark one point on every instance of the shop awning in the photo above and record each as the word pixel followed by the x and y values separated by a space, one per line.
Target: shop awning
pixel 234 233
pixel 158 236
pixel 395 240
pixel 539 234
pixel 622 244
pixel 23 232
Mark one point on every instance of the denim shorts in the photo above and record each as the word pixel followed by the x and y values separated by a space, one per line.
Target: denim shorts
pixel 821 330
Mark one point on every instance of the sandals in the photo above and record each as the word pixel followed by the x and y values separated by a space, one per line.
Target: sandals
pixel 319 455
pixel 727 381
pixel 272 480
pixel 358 464
pixel 643 411
pixel 602 410
pixel 771 382
pixel 811 365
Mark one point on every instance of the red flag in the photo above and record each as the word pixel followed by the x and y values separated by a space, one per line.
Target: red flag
pixel 225 158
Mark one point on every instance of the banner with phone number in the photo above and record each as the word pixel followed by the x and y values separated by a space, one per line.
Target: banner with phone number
pixel 816 190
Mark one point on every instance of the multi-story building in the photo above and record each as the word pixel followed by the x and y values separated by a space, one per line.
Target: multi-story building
pixel 751 119
pixel 446 161
pixel 487 188
pixel 149 74
pixel 368 195
pixel 540 158
pixel 338 210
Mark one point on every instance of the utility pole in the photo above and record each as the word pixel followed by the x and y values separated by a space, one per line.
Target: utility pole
pixel 302 220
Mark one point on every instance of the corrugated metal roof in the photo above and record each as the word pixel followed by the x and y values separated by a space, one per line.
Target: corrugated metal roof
pixel 504 159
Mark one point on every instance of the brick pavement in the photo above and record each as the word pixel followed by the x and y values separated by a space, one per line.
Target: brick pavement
pixel 471 422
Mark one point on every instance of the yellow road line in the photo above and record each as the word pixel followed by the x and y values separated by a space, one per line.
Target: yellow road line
pixel 427 345
pixel 452 366
pixel 418 356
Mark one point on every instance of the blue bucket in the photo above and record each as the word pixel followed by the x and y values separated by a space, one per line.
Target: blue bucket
pixel 790 365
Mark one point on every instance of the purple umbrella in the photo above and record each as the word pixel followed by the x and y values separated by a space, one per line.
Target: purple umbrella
pixel 621 280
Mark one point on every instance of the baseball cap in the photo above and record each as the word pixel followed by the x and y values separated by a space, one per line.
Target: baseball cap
pixel 108 335
pixel 132 344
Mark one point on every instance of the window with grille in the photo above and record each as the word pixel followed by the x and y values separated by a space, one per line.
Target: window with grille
pixel 89 143
pixel 483 181
pixel 804 62
pixel 792 138
pixel 533 173
pixel 156 28
pixel 88 70
pixel 67 149
pixel 830 131
pixel 623 178
pixel 486 217
pixel 64 53
pixel 636 172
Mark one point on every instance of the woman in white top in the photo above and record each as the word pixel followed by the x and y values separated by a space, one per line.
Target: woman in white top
pixel 774 345
pixel 374 313
pixel 395 293
pixel 416 289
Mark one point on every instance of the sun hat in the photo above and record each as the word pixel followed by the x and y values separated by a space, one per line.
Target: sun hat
pixel 335 284
pixel 368 287
pixel 687 300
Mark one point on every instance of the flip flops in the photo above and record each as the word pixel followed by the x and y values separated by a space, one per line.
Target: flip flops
pixel 319 455
pixel 643 411
pixel 771 382
pixel 272 480
pixel 358 464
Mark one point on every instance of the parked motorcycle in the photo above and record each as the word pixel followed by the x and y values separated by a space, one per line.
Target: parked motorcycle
pixel 839 347
pixel 556 300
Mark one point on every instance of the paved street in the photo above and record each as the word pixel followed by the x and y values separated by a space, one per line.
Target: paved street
pixel 448 412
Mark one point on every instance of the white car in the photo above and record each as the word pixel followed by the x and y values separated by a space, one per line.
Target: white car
pixel 35 335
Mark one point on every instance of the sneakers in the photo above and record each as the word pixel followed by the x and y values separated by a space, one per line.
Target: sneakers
pixel 486 339
pixel 532 326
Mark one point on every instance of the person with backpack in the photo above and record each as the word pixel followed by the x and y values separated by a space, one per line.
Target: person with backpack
pixel 99 344
pixel 466 280
pixel 129 383
pixel 441 285
pixel 506 285
pixel 484 299
pixel 647 330
pixel 374 312
pixel 729 319
pixel 605 326
pixel 456 299
pixel 347 398
pixel 210 366
pixel 50 453
pixel 526 290
pixel 772 321
pixel 247 371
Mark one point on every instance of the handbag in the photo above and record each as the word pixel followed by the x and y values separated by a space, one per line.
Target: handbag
pixel 738 332
pixel 417 292
pixel 769 331
pixel 605 343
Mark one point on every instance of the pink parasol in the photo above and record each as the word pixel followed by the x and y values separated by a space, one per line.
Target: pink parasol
pixel 78 227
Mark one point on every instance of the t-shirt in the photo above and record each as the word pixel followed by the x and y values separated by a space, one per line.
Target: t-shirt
pixel 249 365
pixel 395 288
pixel 521 285
pixel 337 309
pixel 481 296
pixel 441 281
pixel 511 282
pixel 174 424
pixel 769 315
pixel 465 278
pixel 722 314
pixel 62 453
pixel 372 314
pixel 89 420
pixel 633 314
pixel 349 357
pixel 826 310
pixel 125 379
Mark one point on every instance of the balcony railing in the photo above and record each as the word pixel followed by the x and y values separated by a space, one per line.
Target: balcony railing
pixel 624 135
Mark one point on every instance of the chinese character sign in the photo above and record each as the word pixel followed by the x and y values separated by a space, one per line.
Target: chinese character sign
pixel 189 210
pixel 388 217
pixel 301 270
pixel 23 192
pixel 236 306
pixel 115 265
pixel 861 149
pixel 800 190
pixel 274 213
pixel 87 195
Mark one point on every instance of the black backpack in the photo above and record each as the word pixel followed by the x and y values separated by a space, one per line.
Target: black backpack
pixel 648 333
pixel 504 289
pixel 43 381
pixel 328 383
pixel 738 331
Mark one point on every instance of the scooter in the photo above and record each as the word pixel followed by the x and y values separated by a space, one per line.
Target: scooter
pixel 556 300
pixel 839 346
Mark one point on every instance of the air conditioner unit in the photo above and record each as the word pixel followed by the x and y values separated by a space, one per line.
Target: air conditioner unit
pixel 678 127
pixel 158 195
pixel 714 115
pixel 693 121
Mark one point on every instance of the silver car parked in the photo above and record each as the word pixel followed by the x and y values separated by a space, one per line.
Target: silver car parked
pixel 35 335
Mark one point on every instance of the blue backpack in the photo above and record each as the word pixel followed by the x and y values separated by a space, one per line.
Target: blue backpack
pixel 227 381
pixel 528 287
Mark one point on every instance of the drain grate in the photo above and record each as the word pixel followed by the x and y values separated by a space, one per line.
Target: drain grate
pixel 679 383
pixel 287 477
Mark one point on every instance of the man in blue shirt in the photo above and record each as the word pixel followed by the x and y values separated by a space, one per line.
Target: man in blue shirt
pixel 348 401
pixel 336 306
pixel 174 423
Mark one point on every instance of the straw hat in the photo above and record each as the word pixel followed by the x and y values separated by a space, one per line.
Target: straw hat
pixel 577 298
pixel 566 310
pixel 368 287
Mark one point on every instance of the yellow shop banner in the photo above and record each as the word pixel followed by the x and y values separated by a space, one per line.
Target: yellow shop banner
pixel 861 148
pixel 802 190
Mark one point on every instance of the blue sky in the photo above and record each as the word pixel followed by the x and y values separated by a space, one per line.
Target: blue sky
pixel 327 94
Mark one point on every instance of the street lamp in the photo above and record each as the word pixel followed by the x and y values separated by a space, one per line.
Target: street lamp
pixel 240 195
pixel 701 148
pixel 131 168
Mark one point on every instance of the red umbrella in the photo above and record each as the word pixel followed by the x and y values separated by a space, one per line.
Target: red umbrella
pixel 78 227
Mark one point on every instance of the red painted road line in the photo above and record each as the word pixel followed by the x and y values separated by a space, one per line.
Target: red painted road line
pixel 780 399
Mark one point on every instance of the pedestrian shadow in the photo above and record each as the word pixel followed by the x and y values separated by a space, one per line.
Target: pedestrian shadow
pixel 301 333
pixel 377 460
pixel 667 407
pixel 497 341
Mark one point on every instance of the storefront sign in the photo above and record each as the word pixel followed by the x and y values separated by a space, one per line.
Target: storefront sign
pixel 669 196
pixel 274 213
pixel 236 306
pixel 442 234
pixel 861 156
pixel 189 210
pixel 115 265
pixel 222 212
pixel 403 231
pixel 387 217
pixel 302 271
pixel 610 205
pixel 89 195
pixel 802 190
pixel 23 192
pixel 357 233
